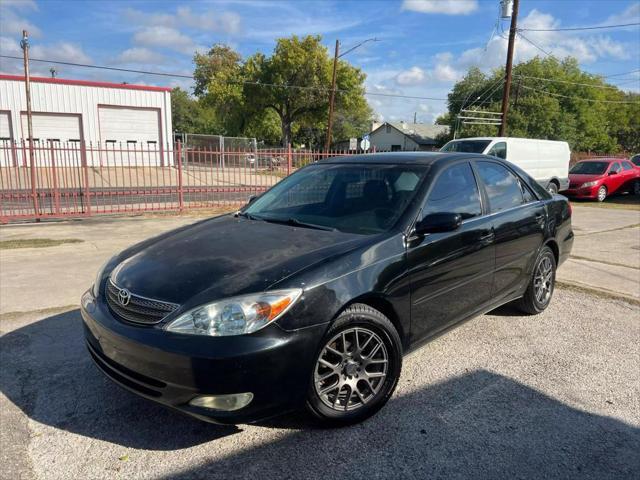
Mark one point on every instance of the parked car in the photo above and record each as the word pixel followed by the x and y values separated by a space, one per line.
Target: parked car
pixel 311 294
pixel 597 178
pixel 545 160
pixel 636 160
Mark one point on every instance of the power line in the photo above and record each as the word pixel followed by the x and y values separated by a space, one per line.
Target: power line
pixel 101 67
pixel 571 29
pixel 177 75
pixel 565 81
pixel 593 100
pixel 548 54
pixel 621 74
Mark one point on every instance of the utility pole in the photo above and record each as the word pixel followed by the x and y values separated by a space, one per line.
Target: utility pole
pixel 27 86
pixel 507 82
pixel 333 97
pixel 415 117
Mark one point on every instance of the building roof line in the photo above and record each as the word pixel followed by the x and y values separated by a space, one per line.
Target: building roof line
pixel 86 83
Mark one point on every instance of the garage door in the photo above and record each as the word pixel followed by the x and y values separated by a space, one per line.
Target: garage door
pixel 130 125
pixel 131 136
pixel 6 157
pixel 53 126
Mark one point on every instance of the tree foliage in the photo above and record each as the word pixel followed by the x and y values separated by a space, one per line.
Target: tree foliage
pixel 551 99
pixel 283 97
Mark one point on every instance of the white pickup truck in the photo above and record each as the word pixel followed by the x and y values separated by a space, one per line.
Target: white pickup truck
pixel 545 160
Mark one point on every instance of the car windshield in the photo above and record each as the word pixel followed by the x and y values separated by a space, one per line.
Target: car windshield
pixel 590 168
pixel 354 198
pixel 466 146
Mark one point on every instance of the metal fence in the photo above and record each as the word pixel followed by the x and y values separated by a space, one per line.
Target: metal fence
pixel 53 179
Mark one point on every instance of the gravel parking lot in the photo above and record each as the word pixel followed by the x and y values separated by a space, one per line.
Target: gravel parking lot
pixel 503 396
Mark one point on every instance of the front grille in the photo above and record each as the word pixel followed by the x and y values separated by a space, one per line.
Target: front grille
pixel 138 309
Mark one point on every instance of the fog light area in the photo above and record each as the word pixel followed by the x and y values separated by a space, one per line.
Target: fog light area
pixel 227 403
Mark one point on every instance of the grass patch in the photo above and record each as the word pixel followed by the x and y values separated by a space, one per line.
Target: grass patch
pixel 622 202
pixel 36 243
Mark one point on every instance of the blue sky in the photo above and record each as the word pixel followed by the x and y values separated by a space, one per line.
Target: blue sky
pixel 424 45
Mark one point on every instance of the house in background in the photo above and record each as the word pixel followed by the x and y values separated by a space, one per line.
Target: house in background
pixel 401 136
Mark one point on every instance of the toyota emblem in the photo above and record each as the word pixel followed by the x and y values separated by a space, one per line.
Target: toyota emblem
pixel 124 296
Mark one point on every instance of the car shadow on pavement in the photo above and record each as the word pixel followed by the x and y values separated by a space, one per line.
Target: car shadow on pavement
pixel 481 425
pixel 47 372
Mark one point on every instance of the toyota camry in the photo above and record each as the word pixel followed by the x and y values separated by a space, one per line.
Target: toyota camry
pixel 310 295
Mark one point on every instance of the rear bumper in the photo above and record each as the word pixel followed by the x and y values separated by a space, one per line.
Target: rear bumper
pixel 172 369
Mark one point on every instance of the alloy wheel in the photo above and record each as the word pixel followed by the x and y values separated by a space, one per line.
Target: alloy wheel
pixel 602 194
pixel 543 280
pixel 351 369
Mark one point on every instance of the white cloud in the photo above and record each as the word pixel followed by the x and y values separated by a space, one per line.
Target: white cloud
pixel 12 24
pixel 630 15
pixel 446 7
pixel 209 20
pixel 61 51
pixel 413 76
pixel 161 36
pixel 139 55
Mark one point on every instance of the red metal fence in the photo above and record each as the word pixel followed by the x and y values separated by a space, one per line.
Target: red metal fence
pixel 53 179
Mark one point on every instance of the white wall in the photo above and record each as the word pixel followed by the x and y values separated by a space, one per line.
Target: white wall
pixel 383 140
pixel 82 100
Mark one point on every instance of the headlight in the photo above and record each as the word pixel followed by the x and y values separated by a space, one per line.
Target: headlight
pixel 589 184
pixel 237 315
pixel 96 284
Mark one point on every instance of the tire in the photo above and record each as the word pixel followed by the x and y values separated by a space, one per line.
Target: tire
pixel 368 377
pixel 602 193
pixel 635 189
pixel 534 301
pixel 552 188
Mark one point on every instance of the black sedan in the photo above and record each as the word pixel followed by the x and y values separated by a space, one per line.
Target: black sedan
pixel 311 294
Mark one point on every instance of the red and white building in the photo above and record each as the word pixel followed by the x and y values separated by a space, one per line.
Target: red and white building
pixel 97 115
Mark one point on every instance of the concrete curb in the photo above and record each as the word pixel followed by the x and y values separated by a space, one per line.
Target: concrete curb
pixel 598 291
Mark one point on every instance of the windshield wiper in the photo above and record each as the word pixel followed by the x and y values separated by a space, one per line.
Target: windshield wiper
pixel 294 222
pixel 247 215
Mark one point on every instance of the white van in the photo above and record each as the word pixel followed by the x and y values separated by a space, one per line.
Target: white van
pixel 545 160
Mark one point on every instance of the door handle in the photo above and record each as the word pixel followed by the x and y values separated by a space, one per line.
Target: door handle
pixel 487 236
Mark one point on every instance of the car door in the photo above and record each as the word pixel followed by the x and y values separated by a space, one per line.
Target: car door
pixel 518 221
pixel 451 273
pixel 615 178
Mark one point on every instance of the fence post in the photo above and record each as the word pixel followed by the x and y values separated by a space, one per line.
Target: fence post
pixel 85 171
pixel 54 176
pixel 180 189
pixel 32 171
pixel 289 159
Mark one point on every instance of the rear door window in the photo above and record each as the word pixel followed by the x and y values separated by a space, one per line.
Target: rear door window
pixel 627 166
pixel 502 186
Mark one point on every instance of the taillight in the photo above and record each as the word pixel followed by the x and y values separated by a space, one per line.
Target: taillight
pixel 570 208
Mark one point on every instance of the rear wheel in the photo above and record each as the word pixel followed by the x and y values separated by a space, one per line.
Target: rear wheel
pixel 602 193
pixel 540 290
pixel 552 188
pixel 357 368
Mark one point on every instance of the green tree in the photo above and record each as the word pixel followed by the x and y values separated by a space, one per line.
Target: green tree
pixel 551 99
pixel 188 116
pixel 292 85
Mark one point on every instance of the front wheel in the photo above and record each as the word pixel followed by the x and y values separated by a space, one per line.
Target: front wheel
pixel 602 193
pixel 540 290
pixel 357 368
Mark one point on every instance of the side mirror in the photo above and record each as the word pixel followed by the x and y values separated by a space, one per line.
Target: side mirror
pixel 439 222
pixel 251 199
pixel 613 172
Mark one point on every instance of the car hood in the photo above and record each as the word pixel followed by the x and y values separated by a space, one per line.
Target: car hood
pixel 582 178
pixel 226 256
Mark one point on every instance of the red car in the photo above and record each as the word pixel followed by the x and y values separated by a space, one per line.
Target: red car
pixel 597 178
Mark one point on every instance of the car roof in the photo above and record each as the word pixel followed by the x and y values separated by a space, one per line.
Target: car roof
pixel 406 158
pixel 605 159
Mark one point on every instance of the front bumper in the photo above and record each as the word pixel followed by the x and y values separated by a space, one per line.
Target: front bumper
pixel 587 192
pixel 172 369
